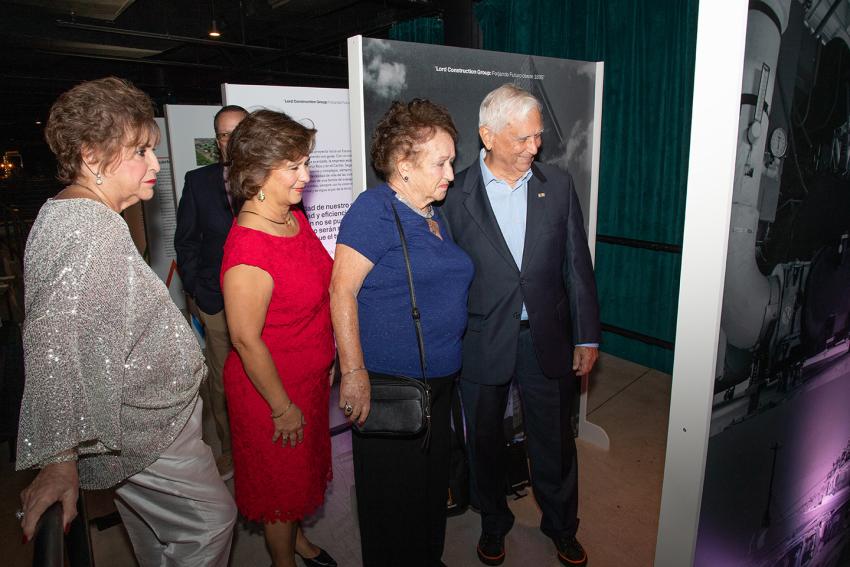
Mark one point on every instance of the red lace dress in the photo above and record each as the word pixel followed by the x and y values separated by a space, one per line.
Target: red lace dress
pixel 275 483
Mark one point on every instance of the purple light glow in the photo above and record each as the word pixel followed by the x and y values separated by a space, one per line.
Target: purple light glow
pixel 812 427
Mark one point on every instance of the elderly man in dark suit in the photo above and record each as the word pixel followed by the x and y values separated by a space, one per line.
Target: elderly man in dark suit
pixel 533 318
pixel 204 217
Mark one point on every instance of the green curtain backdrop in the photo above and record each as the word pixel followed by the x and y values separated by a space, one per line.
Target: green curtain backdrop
pixel 420 30
pixel 648 47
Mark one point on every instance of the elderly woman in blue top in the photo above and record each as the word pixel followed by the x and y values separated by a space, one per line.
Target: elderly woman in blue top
pixel 401 487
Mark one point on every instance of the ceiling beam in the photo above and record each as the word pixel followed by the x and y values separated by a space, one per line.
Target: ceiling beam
pixel 355 29
pixel 165 36
pixel 188 65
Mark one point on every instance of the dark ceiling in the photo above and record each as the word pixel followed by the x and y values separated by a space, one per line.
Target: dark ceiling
pixel 46 46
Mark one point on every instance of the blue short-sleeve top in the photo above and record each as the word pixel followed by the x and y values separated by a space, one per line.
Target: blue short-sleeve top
pixel 442 273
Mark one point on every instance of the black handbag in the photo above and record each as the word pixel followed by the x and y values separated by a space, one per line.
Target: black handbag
pixel 400 406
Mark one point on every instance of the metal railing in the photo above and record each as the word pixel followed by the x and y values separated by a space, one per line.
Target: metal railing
pixel 14 229
pixel 51 544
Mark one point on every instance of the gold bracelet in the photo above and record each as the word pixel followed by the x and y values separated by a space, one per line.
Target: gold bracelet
pixel 281 414
pixel 352 372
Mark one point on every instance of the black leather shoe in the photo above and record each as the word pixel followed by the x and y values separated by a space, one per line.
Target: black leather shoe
pixel 570 551
pixel 491 548
pixel 323 559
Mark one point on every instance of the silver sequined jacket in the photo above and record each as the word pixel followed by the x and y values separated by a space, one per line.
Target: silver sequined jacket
pixel 112 367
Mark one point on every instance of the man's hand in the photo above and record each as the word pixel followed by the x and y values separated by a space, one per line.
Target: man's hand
pixel 583 359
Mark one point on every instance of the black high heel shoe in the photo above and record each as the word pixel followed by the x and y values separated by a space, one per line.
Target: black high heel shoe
pixel 323 559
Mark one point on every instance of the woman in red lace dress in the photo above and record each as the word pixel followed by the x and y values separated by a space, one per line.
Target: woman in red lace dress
pixel 275 277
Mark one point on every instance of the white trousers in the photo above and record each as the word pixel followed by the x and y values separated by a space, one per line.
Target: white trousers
pixel 178 512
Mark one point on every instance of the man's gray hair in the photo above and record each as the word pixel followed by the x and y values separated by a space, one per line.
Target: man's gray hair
pixel 506 103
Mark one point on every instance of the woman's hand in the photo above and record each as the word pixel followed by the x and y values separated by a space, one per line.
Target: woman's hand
pixel 355 390
pixel 331 373
pixel 350 270
pixel 58 482
pixel 289 427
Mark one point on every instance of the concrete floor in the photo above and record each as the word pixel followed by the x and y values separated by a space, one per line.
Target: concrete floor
pixel 620 492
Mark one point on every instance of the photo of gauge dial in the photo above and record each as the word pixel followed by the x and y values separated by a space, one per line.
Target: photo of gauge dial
pixel 778 143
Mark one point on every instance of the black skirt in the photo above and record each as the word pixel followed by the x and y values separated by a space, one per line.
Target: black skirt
pixel 402 489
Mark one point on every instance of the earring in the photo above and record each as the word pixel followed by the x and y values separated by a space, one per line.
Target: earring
pixel 97 177
pixel 406 178
pixel 261 196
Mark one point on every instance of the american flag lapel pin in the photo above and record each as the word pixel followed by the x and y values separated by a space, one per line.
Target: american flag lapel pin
pixel 541 195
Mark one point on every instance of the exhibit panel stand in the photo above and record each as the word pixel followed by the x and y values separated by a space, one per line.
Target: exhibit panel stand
pixel 570 93
pixel 589 431
pixel 717 100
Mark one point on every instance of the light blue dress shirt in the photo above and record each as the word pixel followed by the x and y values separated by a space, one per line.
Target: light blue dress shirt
pixel 510 205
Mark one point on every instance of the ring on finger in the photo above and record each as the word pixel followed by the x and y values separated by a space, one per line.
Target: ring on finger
pixel 348 409
pixel 19 514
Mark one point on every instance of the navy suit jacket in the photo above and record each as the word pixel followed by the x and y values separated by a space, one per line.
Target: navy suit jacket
pixel 555 281
pixel 204 218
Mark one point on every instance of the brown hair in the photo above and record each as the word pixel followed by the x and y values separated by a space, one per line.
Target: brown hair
pixel 104 116
pixel 261 142
pixel 403 128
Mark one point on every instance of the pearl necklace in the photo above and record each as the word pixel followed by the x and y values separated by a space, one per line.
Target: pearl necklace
pixel 429 214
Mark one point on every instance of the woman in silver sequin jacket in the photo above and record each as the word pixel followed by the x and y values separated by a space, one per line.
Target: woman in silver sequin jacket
pixel 112 368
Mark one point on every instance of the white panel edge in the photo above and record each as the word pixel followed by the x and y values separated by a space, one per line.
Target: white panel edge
pixel 718 70
pixel 356 116
pixel 593 204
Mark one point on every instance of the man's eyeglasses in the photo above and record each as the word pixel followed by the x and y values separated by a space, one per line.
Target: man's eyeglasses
pixel 223 135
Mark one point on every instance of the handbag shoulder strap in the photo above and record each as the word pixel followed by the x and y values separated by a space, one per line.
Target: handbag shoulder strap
pixel 414 312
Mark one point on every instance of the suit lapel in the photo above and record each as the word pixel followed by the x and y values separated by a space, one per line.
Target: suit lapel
pixel 478 206
pixel 221 190
pixel 536 214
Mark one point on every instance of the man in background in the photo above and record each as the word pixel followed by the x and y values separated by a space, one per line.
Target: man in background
pixel 204 217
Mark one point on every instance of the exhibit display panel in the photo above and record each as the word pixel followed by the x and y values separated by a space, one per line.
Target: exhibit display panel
pixel 570 91
pixel 161 219
pixel 717 84
pixel 758 458
pixel 381 71
pixel 191 141
pixel 329 193
pixel 777 474
pixel 191 144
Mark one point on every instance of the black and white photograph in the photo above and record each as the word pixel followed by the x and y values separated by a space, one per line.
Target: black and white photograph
pixel 460 78
pixel 777 478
